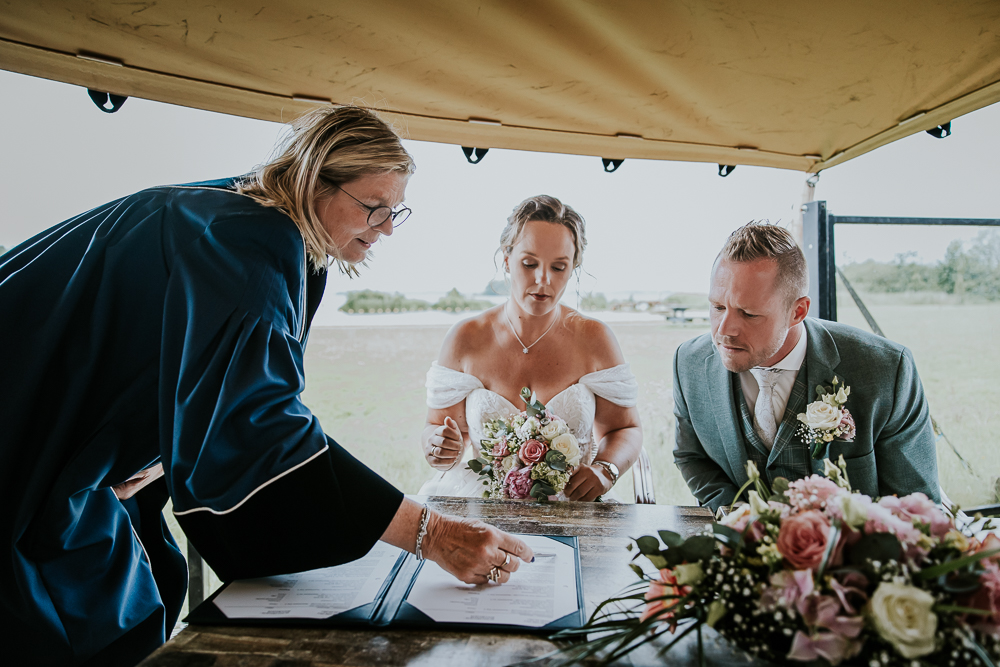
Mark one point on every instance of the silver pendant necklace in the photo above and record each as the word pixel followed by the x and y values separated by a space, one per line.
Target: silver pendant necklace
pixel 525 348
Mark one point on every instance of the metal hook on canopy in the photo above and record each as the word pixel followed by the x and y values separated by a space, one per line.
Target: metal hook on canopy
pixel 941 131
pixel 726 169
pixel 479 154
pixel 101 99
pixel 611 165
pixel 812 179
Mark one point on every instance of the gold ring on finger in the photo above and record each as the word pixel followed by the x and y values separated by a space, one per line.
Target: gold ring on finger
pixel 506 562
pixel 494 574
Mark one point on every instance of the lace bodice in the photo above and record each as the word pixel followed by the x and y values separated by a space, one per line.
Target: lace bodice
pixel 576 405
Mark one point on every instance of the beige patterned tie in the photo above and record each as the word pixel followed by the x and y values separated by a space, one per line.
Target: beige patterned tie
pixel 763 414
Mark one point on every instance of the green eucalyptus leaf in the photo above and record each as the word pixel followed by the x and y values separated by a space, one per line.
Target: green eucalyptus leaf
pixel 781 498
pixel 670 538
pixel 475 465
pixel 779 485
pixel 648 545
pixel 658 561
pixel 637 570
pixel 727 535
pixel 699 547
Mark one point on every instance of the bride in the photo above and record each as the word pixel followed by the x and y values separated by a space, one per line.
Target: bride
pixel 572 362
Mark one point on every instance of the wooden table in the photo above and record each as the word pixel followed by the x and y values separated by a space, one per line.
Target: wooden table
pixel 603 530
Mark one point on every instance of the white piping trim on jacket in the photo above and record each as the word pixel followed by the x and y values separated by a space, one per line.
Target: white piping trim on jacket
pixel 250 495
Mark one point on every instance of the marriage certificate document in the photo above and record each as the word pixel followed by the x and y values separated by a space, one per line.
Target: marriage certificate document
pixel 537 593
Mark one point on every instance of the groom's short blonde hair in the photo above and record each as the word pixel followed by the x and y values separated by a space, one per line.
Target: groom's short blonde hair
pixel 761 240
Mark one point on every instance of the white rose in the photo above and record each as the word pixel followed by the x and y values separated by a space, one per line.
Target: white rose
pixel 567 445
pixel 820 416
pixel 903 617
pixel 551 430
pixel 841 396
pixel 508 463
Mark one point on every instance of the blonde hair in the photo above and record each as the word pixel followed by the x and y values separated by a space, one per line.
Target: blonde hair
pixel 761 240
pixel 325 148
pixel 548 209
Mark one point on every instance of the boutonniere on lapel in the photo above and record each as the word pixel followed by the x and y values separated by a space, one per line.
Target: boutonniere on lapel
pixel 826 419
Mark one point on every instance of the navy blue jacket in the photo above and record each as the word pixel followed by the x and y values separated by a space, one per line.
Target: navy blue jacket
pixel 166 326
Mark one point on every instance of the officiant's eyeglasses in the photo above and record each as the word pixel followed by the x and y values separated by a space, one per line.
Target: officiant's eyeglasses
pixel 377 215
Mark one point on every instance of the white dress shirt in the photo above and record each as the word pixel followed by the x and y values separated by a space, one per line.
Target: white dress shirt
pixel 791 364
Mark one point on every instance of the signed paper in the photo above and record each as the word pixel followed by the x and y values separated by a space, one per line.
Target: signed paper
pixel 537 594
pixel 313 594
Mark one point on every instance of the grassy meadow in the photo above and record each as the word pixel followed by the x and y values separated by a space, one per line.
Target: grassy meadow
pixel 366 387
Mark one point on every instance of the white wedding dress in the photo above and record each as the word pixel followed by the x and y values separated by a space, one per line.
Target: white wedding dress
pixel 575 404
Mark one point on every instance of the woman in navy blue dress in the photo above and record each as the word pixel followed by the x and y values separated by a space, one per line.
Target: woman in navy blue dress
pixel 165 332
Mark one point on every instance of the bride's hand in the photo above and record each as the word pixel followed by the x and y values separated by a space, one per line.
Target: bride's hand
pixel 588 482
pixel 445 445
pixel 468 548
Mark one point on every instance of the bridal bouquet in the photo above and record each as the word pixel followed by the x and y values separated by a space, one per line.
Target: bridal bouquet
pixel 814 573
pixel 529 455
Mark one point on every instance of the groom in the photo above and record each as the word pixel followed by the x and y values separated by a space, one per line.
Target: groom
pixel 738 390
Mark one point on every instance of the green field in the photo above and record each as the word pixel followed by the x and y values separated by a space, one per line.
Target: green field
pixel 366 386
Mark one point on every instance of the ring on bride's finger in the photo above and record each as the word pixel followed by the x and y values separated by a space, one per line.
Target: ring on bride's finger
pixel 507 561
pixel 494 574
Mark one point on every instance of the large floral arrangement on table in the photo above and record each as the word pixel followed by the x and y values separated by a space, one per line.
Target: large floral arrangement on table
pixel 814 573
pixel 529 455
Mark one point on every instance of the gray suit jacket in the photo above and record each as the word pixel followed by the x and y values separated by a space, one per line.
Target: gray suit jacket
pixel 893 452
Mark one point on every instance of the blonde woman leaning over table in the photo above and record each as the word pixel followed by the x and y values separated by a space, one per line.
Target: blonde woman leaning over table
pixel 572 362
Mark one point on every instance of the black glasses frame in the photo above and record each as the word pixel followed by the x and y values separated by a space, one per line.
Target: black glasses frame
pixel 398 216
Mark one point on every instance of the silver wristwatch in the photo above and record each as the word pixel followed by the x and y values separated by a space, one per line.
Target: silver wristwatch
pixel 611 468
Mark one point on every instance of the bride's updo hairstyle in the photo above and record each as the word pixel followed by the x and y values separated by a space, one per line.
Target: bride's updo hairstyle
pixel 547 209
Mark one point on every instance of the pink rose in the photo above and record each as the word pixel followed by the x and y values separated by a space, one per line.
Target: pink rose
pixel 812 493
pixel 532 451
pixel 848 429
pixel 920 507
pixel 802 539
pixel 517 484
pixel 500 449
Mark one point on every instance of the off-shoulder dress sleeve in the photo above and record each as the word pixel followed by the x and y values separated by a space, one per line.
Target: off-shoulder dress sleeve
pixel 615 384
pixel 447 387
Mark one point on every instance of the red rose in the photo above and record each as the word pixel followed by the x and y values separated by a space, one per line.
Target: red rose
pixel 532 451
pixel 802 539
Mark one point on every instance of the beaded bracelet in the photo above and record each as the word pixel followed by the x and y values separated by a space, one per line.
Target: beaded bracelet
pixel 421 533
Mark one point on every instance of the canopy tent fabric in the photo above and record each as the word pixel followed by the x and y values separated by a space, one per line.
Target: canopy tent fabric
pixel 801 86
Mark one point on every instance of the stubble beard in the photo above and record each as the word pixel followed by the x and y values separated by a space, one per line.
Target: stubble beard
pixel 755 360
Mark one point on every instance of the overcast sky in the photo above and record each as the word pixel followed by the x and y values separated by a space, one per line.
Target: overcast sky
pixel 652 226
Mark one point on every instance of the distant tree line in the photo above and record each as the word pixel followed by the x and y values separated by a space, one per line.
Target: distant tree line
pixel 370 301
pixel 972 270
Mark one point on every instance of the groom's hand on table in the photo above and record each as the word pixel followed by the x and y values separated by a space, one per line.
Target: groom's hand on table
pixel 445 445
pixel 468 548
pixel 588 482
